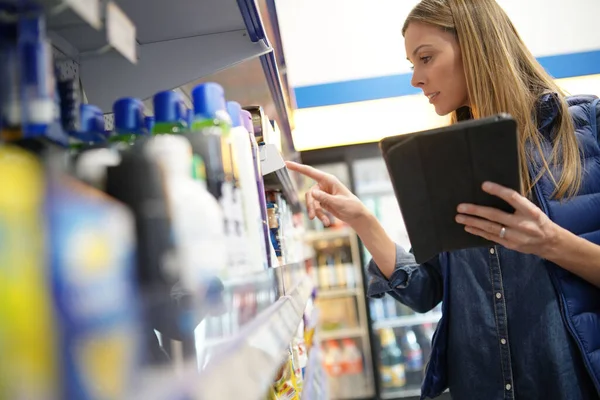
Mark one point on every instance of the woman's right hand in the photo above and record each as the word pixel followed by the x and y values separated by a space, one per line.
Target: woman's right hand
pixel 331 195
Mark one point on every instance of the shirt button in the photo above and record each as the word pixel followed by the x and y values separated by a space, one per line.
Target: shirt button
pixel 498 295
pixel 503 341
pixel 508 386
pixel 492 251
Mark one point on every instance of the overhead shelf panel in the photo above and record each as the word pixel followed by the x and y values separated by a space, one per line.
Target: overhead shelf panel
pixel 178 42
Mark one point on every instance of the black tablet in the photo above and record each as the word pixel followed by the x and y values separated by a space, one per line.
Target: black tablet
pixel 433 171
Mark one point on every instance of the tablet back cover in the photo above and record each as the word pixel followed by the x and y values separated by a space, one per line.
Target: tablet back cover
pixel 432 172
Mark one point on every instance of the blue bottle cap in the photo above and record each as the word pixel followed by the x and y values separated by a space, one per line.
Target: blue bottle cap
pixel 247 122
pixel 235 112
pixel 209 100
pixel 149 122
pixel 190 116
pixel 91 118
pixel 129 115
pixel 169 107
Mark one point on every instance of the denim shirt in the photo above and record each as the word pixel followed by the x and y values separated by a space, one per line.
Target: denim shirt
pixel 505 335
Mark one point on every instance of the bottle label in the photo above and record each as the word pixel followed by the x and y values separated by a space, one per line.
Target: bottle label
pixel 393 376
pixel 414 360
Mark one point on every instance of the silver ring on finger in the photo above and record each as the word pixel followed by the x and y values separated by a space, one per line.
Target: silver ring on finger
pixel 502 232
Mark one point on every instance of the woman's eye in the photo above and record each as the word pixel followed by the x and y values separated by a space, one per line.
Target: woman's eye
pixel 426 59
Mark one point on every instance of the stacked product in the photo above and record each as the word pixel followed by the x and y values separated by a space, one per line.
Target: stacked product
pixel 110 237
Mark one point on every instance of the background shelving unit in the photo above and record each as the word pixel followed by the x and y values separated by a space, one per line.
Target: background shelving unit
pixel 142 48
pixel 343 301
pixel 361 168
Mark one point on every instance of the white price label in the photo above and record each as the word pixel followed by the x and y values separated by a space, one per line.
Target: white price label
pixel 88 10
pixel 120 32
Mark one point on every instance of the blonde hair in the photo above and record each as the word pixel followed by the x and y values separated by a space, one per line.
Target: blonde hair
pixel 503 76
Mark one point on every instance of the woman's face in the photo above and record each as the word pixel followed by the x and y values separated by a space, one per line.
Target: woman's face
pixel 438 68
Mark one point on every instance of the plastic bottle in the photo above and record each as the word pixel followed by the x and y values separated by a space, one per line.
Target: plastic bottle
pixel 249 189
pixel 413 356
pixel 27 332
pixel 129 121
pixel 333 366
pixel 389 305
pixel 392 370
pixel 377 309
pixel 10 94
pixel 91 244
pixel 210 139
pixel 424 335
pixel 149 122
pixel 170 114
pixel 352 365
pixel 91 131
pixel 247 121
pixel 137 181
pixel 246 258
pixel 196 215
pixel 40 100
pixel 210 132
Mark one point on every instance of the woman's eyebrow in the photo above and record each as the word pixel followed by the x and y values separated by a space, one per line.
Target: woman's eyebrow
pixel 419 48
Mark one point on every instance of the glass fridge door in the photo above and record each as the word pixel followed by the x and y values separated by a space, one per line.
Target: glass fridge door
pixel 402 336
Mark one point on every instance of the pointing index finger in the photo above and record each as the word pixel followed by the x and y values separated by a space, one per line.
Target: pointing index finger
pixel 311 172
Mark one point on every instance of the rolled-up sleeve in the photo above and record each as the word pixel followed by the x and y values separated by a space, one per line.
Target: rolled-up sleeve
pixel 418 286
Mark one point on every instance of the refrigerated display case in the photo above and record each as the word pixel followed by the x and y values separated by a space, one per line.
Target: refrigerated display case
pixel 399 338
pixel 343 324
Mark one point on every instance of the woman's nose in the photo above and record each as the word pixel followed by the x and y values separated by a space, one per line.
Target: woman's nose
pixel 417 80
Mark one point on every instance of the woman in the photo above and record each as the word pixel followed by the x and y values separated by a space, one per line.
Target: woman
pixel 521 318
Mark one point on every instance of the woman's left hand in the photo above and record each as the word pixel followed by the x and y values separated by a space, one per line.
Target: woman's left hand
pixel 528 230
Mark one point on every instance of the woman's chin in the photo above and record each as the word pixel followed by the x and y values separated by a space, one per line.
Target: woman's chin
pixel 441 110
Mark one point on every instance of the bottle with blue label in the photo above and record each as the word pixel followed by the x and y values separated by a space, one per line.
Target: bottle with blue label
pixel 413 355
pixel 92 252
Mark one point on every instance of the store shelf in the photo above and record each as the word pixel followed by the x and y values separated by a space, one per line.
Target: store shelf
pixel 375 189
pixel 91 30
pixel 276 175
pixel 252 356
pixel 410 320
pixel 335 293
pixel 401 393
pixel 341 333
pixel 404 393
pixel 329 234
pixel 162 45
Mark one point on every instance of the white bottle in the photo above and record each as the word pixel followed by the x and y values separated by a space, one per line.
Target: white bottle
pixel 196 215
pixel 252 219
pixel 352 365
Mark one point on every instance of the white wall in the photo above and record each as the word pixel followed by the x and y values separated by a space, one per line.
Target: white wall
pixel 338 40
pixel 371 121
